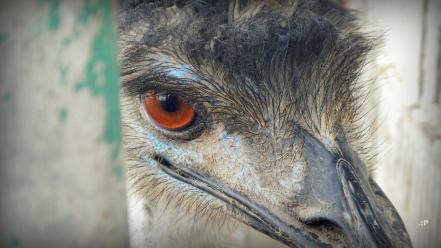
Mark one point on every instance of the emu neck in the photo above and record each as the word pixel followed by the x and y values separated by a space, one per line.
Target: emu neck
pixel 156 226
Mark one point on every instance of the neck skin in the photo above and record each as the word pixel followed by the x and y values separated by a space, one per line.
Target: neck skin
pixel 158 226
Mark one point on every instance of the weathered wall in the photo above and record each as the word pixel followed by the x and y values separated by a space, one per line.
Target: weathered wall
pixel 61 182
pixel 408 110
pixel 61 179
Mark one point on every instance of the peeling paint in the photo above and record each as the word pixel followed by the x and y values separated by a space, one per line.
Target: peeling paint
pixel 104 84
pixel 60 131
pixel 62 114
pixel 3 38
pixel 14 243
pixel 92 9
pixel 64 70
pixel 54 13
pixel 7 96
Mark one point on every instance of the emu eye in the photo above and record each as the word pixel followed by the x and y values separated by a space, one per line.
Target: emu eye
pixel 168 111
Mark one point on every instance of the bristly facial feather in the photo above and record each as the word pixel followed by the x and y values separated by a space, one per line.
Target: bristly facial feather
pixel 266 70
pixel 301 58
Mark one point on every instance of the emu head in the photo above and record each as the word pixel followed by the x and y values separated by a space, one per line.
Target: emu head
pixel 250 111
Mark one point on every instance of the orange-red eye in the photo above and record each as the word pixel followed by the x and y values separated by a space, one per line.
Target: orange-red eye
pixel 168 111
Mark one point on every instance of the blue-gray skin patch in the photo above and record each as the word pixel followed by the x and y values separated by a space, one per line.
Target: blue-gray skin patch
pixel 183 72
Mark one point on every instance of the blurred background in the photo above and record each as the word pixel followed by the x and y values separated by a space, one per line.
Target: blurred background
pixel 61 175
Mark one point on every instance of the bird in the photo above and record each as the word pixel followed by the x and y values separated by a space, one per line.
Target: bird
pixel 247 116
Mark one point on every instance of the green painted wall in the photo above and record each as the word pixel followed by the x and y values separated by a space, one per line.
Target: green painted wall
pixel 61 181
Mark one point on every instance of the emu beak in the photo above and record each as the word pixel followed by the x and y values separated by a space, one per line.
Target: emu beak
pixel 346 197
pixel 337 194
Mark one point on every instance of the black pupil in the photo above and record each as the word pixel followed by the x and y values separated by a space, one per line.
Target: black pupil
pixel 169 102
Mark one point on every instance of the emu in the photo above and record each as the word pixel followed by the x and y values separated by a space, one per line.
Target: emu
pixel 245 114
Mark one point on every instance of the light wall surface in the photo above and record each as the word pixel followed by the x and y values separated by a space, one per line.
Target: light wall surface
pixel 61 177
pixel 407 108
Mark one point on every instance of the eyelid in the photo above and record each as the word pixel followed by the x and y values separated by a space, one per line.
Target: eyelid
pixel 159 82
pixel 174 86
pixel 153 81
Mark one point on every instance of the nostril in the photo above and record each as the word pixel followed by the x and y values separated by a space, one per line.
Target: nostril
pixel 320 223
pixel 325 228
pixel 323 224
pixel 314 220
